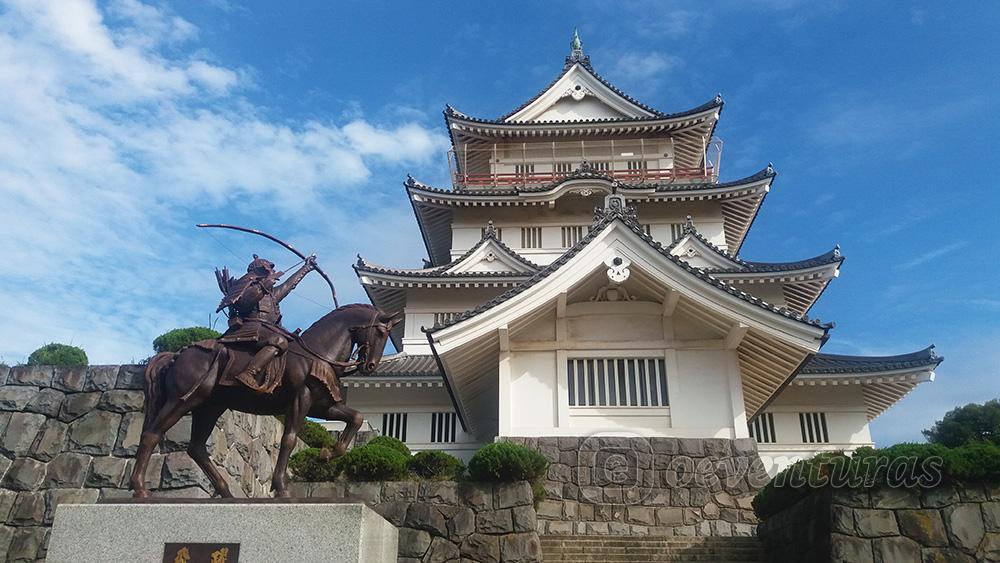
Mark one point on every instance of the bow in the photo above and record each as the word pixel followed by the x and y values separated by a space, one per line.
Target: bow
pixel 282 243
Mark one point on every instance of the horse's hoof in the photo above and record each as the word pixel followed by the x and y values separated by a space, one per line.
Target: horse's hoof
pixel 281 494
pixel 338 450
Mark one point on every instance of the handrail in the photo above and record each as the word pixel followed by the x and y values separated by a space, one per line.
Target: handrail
pixel 627 176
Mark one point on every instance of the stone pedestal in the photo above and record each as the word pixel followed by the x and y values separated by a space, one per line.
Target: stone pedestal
pixel 265 532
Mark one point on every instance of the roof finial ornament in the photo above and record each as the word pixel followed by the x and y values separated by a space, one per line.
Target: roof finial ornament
pixel 576 52
pixel 490 231
pixel 689 225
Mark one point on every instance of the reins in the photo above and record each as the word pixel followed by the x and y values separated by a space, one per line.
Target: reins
pixel 353 362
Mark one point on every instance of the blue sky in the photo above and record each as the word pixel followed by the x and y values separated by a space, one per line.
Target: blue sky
pixel 124 123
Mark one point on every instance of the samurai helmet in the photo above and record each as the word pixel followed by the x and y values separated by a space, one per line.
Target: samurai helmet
pixel 260 267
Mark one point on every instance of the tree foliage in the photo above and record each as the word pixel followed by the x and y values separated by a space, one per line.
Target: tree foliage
pixel 966 425
pixel 58 355
pixel 174 340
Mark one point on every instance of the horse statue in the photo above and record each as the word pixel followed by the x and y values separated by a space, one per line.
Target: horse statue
pixel 193 381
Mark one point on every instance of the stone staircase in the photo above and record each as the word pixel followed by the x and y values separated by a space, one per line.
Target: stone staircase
pixel 651 549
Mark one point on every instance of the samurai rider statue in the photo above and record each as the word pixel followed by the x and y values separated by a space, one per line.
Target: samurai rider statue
pixel 252 304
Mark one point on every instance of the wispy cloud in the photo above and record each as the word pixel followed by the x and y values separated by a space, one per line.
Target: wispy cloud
pixel 638 67
pixel 931 255
pixel 112 144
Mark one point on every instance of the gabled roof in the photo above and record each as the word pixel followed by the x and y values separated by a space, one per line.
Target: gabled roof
pixel 467 346
pixel 433 207
pixel 460 268
pixel 803 281
pixel 636 228
pixel 884 380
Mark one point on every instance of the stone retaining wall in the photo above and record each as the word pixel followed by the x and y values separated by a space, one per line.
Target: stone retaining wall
pixel 951 523
pixel 648 486
pixel 68 435
pixel 445 520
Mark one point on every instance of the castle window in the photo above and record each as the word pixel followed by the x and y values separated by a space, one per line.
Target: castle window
pixel 524 169
pixel 444 318
pixel 813 428
pixel 601 166
pixel 762 429
pixel 531 237
pixel 676 231
pixel 637 166
pixel 617 382
pixel 571 236
pixel 443 427
pixel 394 424
pixel 562 167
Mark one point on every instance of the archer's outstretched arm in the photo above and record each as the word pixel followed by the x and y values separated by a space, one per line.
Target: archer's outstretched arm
pixel 281 291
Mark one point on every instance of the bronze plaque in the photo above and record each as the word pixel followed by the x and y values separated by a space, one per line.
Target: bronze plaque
pixel 201 553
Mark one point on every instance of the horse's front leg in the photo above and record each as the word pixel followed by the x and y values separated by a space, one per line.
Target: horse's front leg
pixel 295 417
pixel 353 421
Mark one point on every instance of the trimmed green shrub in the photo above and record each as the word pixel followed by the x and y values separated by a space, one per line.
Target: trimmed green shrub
pixel 506 461
pixel 391 443
pixel 315 436
pixel 309 465
pixel 174 340
pixel 58 355
pixel 374 462
pixel 902 465
pixel 436 465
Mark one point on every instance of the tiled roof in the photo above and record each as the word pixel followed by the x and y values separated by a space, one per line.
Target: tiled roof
pixel 767 172
pixel 716 102
pixel 836 363
pixel 623 215
pixel 747 266
pixel 407 365
pixel 442 271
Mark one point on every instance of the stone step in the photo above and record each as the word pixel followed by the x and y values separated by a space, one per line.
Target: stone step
pixel 651 549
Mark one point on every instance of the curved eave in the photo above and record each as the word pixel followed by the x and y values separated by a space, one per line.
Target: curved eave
pixel 884 380
pixel 735 189
pixel 801 287
pixel 706 114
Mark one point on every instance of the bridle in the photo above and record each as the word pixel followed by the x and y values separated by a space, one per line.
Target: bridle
pixel 361 348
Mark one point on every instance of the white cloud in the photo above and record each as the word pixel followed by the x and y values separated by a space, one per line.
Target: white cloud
pixel 931 255
pixel 639 67
pixel 110 150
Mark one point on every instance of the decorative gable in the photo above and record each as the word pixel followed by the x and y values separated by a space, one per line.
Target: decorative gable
pixel 578 95
pixel 491 256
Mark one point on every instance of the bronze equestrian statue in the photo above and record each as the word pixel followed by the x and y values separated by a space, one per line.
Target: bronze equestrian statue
pixel 301 372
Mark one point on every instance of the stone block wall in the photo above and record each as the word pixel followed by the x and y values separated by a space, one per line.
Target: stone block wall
pixel 648 486
pixel 68 435
pixel 446 520
pixel 951 523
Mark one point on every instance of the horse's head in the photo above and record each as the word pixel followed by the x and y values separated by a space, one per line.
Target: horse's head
pixel 370 339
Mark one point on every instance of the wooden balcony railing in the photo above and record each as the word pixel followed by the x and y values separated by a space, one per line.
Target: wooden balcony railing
pixel 626 176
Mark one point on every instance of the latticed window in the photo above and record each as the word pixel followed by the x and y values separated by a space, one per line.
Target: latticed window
pixel 394 424
pixel 443 427
pixel 531 237
pixel 617 382
pixel 637 166
pixel 524 169
pixel 762 429
pixel 813 427
pixel 571 236
pixel 562 167
pixel 676 231
pixel 647 229
pixel 601 166
pixel 444 318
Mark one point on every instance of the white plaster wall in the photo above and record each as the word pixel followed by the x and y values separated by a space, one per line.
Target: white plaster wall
pixel 533 391
pixel 418 403
pixel 568 109
pixel 701 401
pixel 846 419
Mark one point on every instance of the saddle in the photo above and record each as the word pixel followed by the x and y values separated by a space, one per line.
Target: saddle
pixel 269 378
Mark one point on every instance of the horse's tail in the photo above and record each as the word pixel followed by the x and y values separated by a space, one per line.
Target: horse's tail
pixel 157 365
